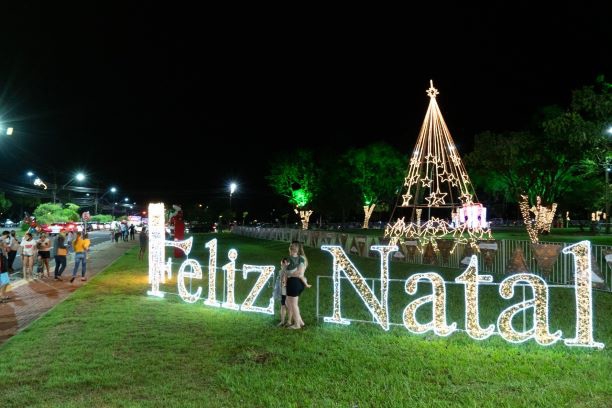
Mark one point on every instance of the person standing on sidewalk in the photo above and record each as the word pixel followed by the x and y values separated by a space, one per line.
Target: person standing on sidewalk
pixel 14 247
pixel 60 252
pixel 28 253
pixel 132 230
pixel 69 239
pixel 44 254
pixel 81 246
pixel 4 276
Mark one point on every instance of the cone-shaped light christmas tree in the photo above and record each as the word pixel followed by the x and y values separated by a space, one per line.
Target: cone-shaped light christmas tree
pixel 437 178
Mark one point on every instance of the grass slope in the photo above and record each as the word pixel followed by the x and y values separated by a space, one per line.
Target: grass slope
pixel 111 345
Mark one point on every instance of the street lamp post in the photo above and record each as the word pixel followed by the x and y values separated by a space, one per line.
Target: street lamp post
pixel 79 177
pixel 111 190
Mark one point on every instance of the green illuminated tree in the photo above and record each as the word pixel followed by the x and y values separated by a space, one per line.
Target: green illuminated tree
pixel 295 176
pixel 377 171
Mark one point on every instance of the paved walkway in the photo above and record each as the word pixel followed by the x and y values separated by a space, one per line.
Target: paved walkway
pixel 30 300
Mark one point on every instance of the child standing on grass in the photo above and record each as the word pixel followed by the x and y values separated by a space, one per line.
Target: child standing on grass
pixel 280 291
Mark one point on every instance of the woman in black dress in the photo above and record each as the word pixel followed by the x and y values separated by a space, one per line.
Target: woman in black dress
pixel 295 283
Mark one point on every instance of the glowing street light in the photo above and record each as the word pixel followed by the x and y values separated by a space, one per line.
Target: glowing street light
pixel 6 131
pixel 233 187
pixel 78 177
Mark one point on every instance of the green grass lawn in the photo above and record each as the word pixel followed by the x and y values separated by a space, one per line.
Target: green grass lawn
pixel 110 344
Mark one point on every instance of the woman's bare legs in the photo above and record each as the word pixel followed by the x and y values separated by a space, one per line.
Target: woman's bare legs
pixel 300 321
pixel 289 311
pixel 46 264
pixel 295 311
pixel 283 314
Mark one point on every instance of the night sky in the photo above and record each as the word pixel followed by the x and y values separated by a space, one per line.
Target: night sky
pixel 90 86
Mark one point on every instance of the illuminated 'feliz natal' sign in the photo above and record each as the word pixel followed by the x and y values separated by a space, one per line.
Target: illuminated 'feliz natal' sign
pixel 378 305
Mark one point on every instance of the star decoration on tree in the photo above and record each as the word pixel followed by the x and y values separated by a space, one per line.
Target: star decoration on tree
pixel 432 92
pixel 466 198
pixel 426 181
pixel 435 199
pixel 430 158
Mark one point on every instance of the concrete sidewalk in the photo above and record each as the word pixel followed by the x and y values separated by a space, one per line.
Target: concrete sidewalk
pixel 30 300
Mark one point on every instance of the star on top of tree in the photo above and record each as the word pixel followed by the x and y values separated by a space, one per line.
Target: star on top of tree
pixel 432 92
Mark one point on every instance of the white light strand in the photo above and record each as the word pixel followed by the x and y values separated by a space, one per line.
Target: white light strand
pixel 196 272
pixel 304 217
pixel 368 213
pixel 157 268
pixel 212 274
pixel 584 296
pixel 544 217
pixel 183 245
pixel 540 330
pixel 435 166
pixel 378 309
pixel 470 278
pixel 436 177
pixel 438 300
pixel 266 272
pixel 230 271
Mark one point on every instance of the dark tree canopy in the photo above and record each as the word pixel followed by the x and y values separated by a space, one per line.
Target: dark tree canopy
pixel 377 171
pixel 564 149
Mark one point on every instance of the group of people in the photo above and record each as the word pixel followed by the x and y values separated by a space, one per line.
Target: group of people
pixel 123 231
pixel 289 285
pixel 42 250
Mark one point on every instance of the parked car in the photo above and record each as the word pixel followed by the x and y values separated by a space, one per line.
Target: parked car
pixel 56 228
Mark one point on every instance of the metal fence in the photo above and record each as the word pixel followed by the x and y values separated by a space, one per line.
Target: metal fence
pixel 494 256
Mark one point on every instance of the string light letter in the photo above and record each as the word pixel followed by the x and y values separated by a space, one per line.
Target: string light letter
pixel 584 296
pixel 470 279
pixel 378 309
pixel 540 330
pixel 212 274
pixel 438 299
pixel 196 272
pixel 230 270
pixel 266 272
